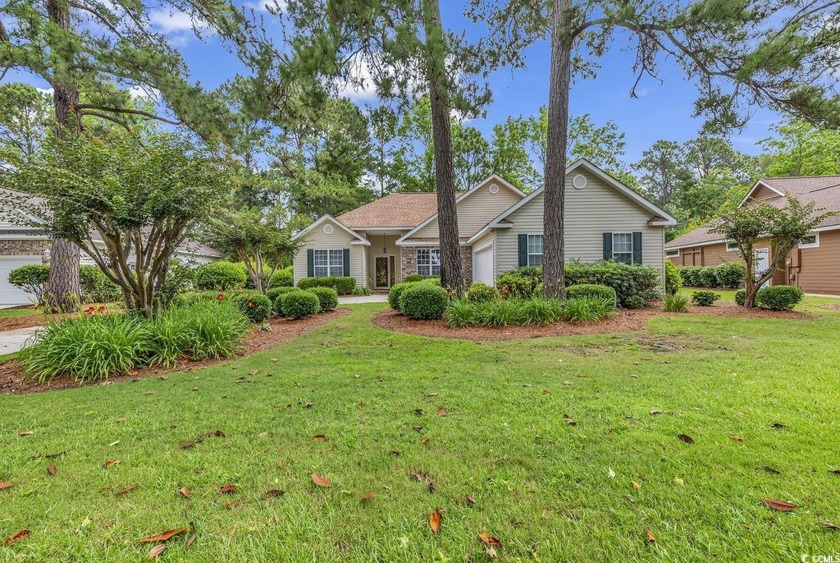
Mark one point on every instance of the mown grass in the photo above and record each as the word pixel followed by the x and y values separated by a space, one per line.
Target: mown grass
pixel 19 312
pixel 541 485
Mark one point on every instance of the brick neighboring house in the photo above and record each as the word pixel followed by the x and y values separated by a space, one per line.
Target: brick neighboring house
pixel 21 245
pixel 813 265
pixel 500 228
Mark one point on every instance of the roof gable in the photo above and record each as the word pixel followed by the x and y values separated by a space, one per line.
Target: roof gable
pixel 323 219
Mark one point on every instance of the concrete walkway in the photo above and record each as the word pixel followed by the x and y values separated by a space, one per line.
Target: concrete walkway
pixel 353 299
pixel 14 340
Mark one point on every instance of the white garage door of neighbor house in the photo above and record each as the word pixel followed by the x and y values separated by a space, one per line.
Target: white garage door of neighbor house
pixel 483 265
pixel 9 294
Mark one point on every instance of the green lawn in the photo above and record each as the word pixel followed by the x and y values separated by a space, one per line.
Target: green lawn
pixel 19 312
pixel 548 490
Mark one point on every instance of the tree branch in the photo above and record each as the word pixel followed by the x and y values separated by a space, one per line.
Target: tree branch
pixel 128 111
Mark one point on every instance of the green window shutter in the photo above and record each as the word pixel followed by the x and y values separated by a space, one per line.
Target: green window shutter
pixel 523 250
pixel 346 262
pixel 637 248
pixel 310 263
pixel 607 246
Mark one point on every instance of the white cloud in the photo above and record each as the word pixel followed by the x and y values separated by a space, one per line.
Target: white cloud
pixel 179 27
pixel 144 93
pixel 361 87
pixel 264 5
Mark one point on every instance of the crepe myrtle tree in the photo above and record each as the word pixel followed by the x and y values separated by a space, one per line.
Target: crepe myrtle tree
pixel 779 54
pixel 253 236
pixel 141 195
pixel 782 228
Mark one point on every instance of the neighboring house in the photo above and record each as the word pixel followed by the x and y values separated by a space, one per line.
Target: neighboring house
pixel 813 265
pixel 21 245
pixel 500 229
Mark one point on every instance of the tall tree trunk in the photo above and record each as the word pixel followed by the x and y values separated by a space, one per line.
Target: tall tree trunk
pixel 555 161
pixel 451 276
pixel 63 282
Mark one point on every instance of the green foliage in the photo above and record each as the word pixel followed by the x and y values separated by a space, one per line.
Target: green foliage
pixel 708 277
pixel 361 291
pixel 299 304
pixel 499 313
pixel 675 303
pixel 179 279
pixel 801 149
pixel 519 283
pixel 396 292
pixel 459 313
pixel 481 292
pixel 282 278
pixel 704 298
pixel 540 310
pixel 423 301
pixel 586 309
pixel 740 297
pixel 779 297
pixel 276 295
pixel 96 287
pixel 636 302
pixel 220 276
pixel 632 284
pixel 673 280
pixel 730 274
pixel 31 279
pixel 690 275
pixel 592 290
pixel 536 310
pixel 412 278
pixel 255 306
pixel 344 285
pixel 327 298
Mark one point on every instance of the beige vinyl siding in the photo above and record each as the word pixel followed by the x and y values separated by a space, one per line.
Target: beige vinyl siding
pixel 476 210
pixel 317 239
pixel 590 212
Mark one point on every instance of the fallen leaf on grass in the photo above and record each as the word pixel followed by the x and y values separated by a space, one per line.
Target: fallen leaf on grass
pixel 780 505
pixel 56 454
pixel 830 525
pixel 771 470
pixel 321 481
pixel 487 539
pixel 26 433
pixel 52 470
pixel 419 412
pixel 185 492
pixel 678 482
pixel 434 520
pixel 273 493
pixel 635 485
pixel 191 540
pixel 127 489
pixel 424 441
pixel 650 537
pixel 283 463
pixel 111 463
pixel 319 437
pixel 122 419
pixel 368 495
pixel 470 500
pixel 155 552
pixel 185 445
pixel 655 411
pixel 778 426
pixel 394 452
pixel 5 486
pixel 233 504
pixel 229 488
pixel 836 471
pixel 686 438
pixel 255 372
pixel 737 438
pixel 165 536
pixel 16 537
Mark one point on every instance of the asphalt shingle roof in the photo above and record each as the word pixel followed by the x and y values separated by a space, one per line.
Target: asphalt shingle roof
pixel 395 210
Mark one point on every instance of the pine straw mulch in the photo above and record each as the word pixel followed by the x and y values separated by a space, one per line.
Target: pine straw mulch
pixel 11 373
pixel 624 320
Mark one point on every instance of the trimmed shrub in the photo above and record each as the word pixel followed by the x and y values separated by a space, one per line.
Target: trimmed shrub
pixel 96 287
pixel 779 297
pixel 411 278
pixel 327 298
pixel 628 281
pixel 517 284
pixel 730 274
pixel 31 279
pixel 275 292
pixel 255 306
pixel 299 304
pixel 423 301
pixel 344 285
pixel 704 298
pixel 284 277
pixel 673 280
pixel 478 292
pixel 707 277
pixel 279 293
pixel 586 309
pixel 361 291
pixel 591 290
pixel 740 297
pixel 635 302
pixel 396 292
pixel 690 275
pixel 675 303
pixel 220 276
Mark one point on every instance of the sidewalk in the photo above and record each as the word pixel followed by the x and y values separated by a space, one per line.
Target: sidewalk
pixel 353 299
pixel 13 340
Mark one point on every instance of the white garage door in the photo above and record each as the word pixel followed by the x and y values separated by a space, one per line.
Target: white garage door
pixel 9 294
pixel 483 265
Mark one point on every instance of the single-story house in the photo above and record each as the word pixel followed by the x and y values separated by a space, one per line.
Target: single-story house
pixel 500 228
pixel 22 244
pixel 813 265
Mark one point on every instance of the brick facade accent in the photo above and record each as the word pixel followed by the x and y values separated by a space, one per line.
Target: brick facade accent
pixel 466 265
pixel 23 247
pixel 408 262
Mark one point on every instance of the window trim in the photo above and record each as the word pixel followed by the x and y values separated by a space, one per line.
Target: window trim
pixel 528 249
pixel 630 234
pixel 430 265
pixel 672 253
pixel 330 267
pixel 729 244
pixel 815 244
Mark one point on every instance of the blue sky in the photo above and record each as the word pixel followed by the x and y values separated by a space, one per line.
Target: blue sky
pixel 663 110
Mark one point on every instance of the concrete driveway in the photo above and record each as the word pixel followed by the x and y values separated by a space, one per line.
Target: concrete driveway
pixel 352 299
pixel 14 340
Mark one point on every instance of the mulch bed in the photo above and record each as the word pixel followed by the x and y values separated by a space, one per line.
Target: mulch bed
pixel 623 321
pixel 11 373
pixel 38 319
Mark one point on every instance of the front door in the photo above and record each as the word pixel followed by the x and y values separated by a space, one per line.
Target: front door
pixel 382 276
pixel 762 262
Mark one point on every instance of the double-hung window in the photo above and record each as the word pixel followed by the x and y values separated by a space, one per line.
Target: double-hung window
pixel 622 247
pixel 328 263
pixel 428 261
pixel 535 250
